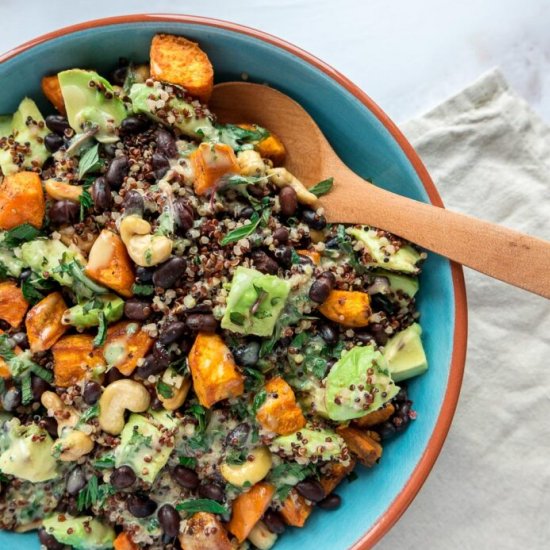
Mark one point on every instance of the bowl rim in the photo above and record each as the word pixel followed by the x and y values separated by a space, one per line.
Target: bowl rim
pixel 419 475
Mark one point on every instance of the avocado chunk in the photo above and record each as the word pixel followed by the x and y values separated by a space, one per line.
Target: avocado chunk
pixel 92 104
pixel 255 302
pixel 22 139
pixel 383 254
pixel 28 453
pixel 358 384
pixel 82 533
pixel 178 113
pixel 405 354
pixel 402 287
pixel 322 444
pixel 10 264
pixel 87 314
pixel 140 438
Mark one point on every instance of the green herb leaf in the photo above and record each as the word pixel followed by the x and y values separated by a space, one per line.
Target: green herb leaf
pixel 30 292
pixel 90 413
pixel 137 439
pixel 89 161
pixel 237 318
pixel 104 463
pixel 188 461
pixel 143 290
pixel 26 389
pixel 259 400
pixel 101 335
pixel 287 474
pixel 322 188
pixel 93 493
pixel 6 349
pixel 86 202
pixel 236 456
pixel 43 373
pixel 295 257
pixel 201 505
pixel 21 234
pixel 242 232
pixel 199 412
pixel 3 272
pixel 164 389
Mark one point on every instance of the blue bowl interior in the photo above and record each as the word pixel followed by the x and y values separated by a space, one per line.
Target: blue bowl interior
pixel 367 147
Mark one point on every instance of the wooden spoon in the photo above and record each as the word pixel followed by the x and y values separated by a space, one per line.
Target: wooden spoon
pixel 513 257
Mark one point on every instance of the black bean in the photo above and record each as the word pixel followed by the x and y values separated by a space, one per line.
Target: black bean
pixel 328 334
pixel 91 393
pixel 237 436
pixel 169 272
pixel 281 235
pixel 150 367
pixel 364 335
pixel 169 520
pixel 134 125
pixel 118 76
pixel 53 142
pixel 264 263
pixel 314 220
pixel 185 477
pixel 101 195
pixel 274 522
pixel 379 333
pixel 21 339
pixel 50 425
pixel 123 477
pixel 57 124
pixel 311 489
pixel 283 254
pixel 403 394
pixel 246 212
pixel 144 274
pixel 110 150
pixel 156 403
pixel 247 355
pixel 137 310
pixel 113 374
pixel 171 332
pixel 203 322
pixel 379 302
pixel 49 541
pixel 140 505
pixel 211 490
pixel 288 201
pixel 64 212
pixel 133 204
pixel 184 215
pixel 160 354
pixel 72 507
pixel 11 399
pixel 386 430
pixel 39 386
pixel 332 243
pixel 76 480
pixel 320 289
pixel 331 502
pixel 160 164
pixel 117 171
pixel 166 144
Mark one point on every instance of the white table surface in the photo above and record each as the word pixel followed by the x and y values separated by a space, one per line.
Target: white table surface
pixel 408 56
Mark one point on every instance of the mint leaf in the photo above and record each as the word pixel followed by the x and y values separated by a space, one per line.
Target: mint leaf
pixel 242 232
pixel 89 161
pixel 21 234
pixel 322 188
pixel 143 290
pixel 201 505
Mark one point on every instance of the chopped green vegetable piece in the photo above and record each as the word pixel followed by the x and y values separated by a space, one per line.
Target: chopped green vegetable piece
pixel 201 505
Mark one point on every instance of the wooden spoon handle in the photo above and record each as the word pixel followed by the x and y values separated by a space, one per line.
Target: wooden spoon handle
pixel 502 253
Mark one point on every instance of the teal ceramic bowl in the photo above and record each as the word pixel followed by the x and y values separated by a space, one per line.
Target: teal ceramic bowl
pixel 371 145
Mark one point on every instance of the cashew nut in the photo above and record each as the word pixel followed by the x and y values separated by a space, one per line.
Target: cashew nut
pixel 281 177
pixel 59 190
pixel 145 249
pixel 66 416
pixel 250 471
pixel 251 163
pixel 116 398
pixel 261 537
pixel 74 445
pixel 180 386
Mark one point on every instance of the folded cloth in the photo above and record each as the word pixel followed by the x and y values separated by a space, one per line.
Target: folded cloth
pixel 489 156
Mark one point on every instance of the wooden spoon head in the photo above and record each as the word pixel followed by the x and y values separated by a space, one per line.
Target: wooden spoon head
pixel 239 102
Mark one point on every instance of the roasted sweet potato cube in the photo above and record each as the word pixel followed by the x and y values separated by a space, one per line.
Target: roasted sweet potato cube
pixel 43 322
pixel 74 359
pixel 313 255
pixel 21 200
pixel 349 308
pixel 333 475
pixel 13 305
pixel 179 61
pixel 125 345
pixel 204 531
pixel 211 162
pixel 367 450
pixel 52 90
pixel 248 509
pixel 214 372
pixel 110 265
pixel 375 417
pixel 280 412
pixel 295 509
pixel 271 147
pixel 124 542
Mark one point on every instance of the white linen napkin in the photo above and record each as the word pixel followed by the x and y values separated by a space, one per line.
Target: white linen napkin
pixel 489 156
